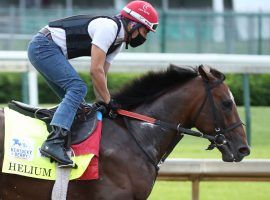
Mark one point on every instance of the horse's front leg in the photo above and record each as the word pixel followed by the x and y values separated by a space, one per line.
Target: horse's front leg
pixel 101 189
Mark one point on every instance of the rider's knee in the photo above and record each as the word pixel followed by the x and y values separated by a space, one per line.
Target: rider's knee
pixel 80 89
pixel 83 89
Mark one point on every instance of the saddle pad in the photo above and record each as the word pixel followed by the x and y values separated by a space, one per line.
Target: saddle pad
pixel 23 138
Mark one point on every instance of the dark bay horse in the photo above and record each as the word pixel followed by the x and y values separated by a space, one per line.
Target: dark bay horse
pixel 193 97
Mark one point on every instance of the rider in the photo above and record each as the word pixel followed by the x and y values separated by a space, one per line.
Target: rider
pixel 101 38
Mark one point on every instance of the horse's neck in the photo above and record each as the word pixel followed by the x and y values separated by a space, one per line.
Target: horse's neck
pixel 171 108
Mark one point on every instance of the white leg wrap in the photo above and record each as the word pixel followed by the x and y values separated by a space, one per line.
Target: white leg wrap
pixel 60 187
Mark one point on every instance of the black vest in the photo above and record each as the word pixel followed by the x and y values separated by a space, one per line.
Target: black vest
pixel 78 40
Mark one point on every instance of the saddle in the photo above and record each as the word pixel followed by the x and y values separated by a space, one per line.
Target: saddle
pixel 83 125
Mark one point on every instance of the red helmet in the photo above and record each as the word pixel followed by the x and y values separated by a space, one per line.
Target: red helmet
pixel 141 12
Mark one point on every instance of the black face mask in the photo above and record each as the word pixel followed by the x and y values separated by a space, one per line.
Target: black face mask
pixel 137 41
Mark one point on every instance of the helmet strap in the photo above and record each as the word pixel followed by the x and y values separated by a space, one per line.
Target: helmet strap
pixel 127 43
pixel 128 40
pixel 126 22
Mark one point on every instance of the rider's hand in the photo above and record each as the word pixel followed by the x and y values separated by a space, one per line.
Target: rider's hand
pixel 108 110
pixel 101 107
pixel 113 106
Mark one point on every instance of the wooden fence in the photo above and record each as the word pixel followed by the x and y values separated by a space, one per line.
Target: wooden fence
pixel 197 170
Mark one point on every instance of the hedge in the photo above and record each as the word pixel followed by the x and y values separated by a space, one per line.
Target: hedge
pixel 259 88
pixel 11 87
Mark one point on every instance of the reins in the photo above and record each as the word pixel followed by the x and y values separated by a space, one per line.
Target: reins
pixel 171 126
pixel 167 125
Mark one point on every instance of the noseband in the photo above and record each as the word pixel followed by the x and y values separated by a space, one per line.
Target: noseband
pixel 219 138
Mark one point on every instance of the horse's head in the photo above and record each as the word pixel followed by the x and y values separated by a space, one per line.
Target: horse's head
pixel 217 115
pixel 193 97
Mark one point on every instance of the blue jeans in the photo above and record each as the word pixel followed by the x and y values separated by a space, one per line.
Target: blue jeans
pixel 50 62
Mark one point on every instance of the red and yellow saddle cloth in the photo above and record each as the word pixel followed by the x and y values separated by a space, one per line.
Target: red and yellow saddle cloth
pixel 23 138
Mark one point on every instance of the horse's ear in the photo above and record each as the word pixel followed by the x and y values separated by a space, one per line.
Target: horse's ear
pixel 173 67
pixel 203 72
pixel 217 74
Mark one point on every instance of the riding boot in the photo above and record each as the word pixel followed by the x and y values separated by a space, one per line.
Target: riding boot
pixel 54 147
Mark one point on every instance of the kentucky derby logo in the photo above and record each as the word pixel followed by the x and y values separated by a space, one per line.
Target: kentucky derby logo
pixel 21 148
pixel 144 9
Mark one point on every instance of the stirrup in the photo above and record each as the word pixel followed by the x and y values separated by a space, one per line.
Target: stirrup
pixel 60 164
pixel 72 165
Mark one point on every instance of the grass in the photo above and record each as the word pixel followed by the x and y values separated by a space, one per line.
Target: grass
pixel 191 147
pixel 212 191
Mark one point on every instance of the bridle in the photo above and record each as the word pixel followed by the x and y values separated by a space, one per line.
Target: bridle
pixel 217 140
pixel 220 132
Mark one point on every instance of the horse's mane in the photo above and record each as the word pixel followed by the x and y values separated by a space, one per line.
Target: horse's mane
pixel 150 86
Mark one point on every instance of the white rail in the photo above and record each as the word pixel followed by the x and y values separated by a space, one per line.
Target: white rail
pixel 197 170
pixel 139 62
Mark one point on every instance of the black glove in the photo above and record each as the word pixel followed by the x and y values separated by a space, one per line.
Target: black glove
pixel 107 110
pixel 113 106
pixel 101 107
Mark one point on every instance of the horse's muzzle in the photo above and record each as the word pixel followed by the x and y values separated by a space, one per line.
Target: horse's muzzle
pixel 242 151
pixel 233 154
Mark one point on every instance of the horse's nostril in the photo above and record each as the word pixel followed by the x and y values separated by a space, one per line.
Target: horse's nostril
pixel 244 151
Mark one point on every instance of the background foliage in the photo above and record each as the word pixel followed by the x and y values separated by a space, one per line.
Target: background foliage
pixel 11 87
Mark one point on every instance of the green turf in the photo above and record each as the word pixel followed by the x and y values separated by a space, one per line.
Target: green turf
pixel 191 147
pixel 212 191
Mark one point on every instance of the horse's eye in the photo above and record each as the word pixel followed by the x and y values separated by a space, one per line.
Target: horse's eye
pixel 227 105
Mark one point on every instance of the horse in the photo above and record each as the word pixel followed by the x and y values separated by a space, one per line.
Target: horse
pixel 131 149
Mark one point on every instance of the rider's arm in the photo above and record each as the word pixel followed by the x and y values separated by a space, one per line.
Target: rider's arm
pixel 103 32
pixel 98 71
